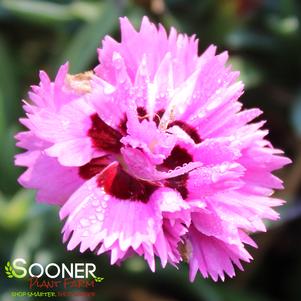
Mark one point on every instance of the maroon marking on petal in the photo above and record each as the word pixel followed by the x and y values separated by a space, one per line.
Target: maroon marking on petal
pixel 179 183
pixel 177 157
pixel 158 116
pixel 121 185
pixel 94 167
pixel 142 114
pixel 123 126
pixel 188 129
pixel 103 136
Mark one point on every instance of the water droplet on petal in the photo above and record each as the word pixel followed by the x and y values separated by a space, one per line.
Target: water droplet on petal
pixel 95 202
pixel 95 228
pixel 150 222
pixel 84 222
pixel 85 234
pixel 121 79
pixel 65 123
pixel 100 216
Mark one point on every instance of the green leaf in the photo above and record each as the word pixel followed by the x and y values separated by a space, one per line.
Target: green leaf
pixel 283 26
pixel 237 295
pixel 247 39
pixel 8 87
pixel 200 288
pixel 2 116
pixel 296 115
pixel 49 13
pixel 84 10
pixel 8 183
pixel 249 72
pixel 14 213
pixel 81 49
pixel 38 11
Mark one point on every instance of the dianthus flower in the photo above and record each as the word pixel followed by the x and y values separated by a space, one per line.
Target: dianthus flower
pixel 152 154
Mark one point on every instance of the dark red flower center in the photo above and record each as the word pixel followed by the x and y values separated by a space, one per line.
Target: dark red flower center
pixel 177 157
pixel 192 132
pixel 188 130
pixel 121 185
pixel 114 179
pixel 94 167
pixel 179 183
pixel 103 136
pixel 142 114
pixel 122 125
pixel 158 116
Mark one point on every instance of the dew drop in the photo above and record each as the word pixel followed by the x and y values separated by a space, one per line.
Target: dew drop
pixel 95 202
pixel 85 234
pixel 150 222
pixel 95 228
pixel 84 222
pixel 100 216
pixel 214 178
pixel 65 123
pixel 121 79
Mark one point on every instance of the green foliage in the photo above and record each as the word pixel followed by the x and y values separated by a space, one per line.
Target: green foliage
pixel 80 50
pixel 296 115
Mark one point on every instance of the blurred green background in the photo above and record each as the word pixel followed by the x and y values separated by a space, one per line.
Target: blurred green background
pixel 264 41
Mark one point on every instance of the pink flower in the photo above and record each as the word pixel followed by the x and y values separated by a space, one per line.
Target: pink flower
pixel 152 154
